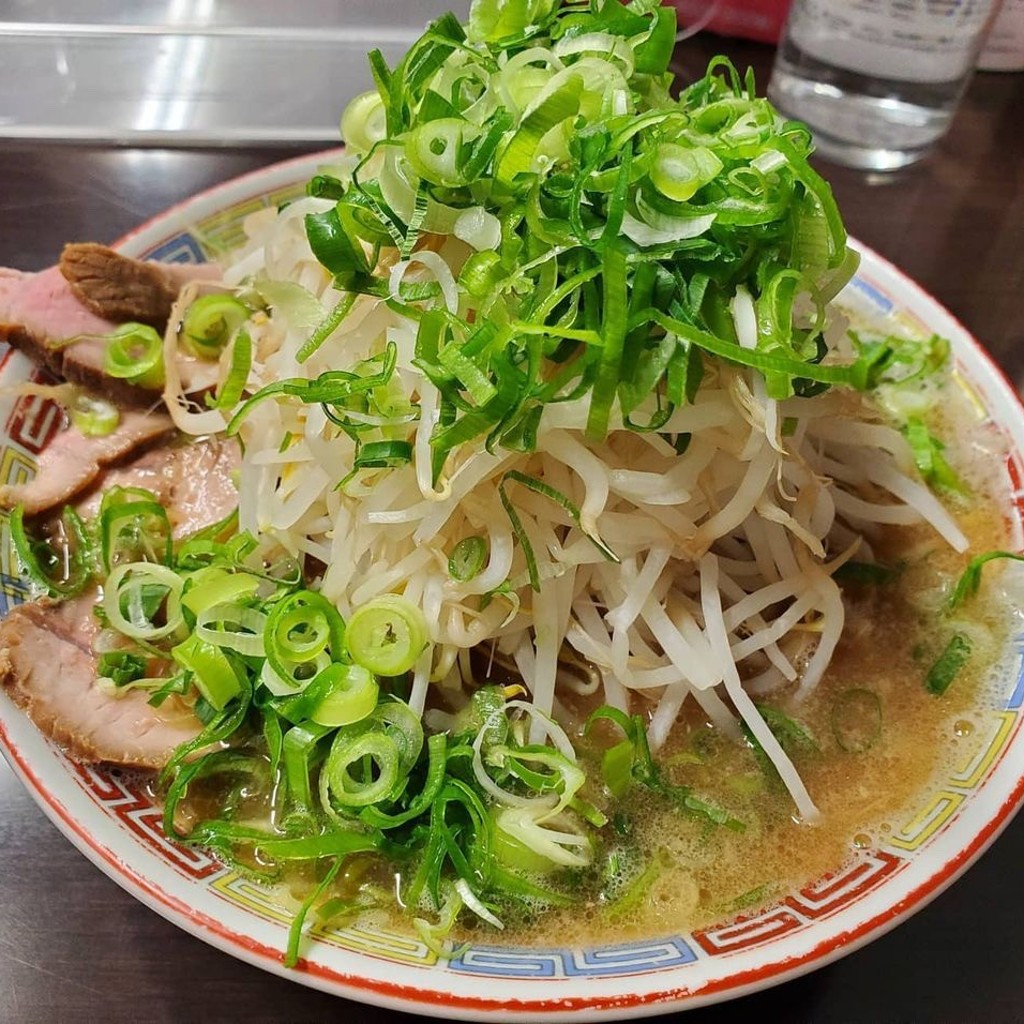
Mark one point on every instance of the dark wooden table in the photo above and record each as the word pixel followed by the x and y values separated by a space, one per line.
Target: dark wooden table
pixel 75 948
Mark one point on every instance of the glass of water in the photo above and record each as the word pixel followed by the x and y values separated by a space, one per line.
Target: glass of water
pixel 877 81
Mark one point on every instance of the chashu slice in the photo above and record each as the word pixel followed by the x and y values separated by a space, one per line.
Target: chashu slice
pixel 46 658
pixel 72 462
pixel 42 316
pixel 47 665
pixel 119 288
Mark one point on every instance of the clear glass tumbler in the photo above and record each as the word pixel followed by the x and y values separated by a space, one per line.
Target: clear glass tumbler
pixel 878 81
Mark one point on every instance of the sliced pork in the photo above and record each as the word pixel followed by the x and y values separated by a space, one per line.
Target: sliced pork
pixel 72 462
pixel 42 316
pixel 47 665
pixel 46 658
pixel 194 482
pixel 118 288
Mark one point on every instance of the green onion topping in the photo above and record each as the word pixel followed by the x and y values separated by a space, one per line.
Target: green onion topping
pixel 210 321
pixel 387 635
pixel 135 353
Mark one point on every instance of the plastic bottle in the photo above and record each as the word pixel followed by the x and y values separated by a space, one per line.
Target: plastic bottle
pixel 878 81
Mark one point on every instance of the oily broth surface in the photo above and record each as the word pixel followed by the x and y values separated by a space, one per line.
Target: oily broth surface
pixel 893 634
pixel 708 874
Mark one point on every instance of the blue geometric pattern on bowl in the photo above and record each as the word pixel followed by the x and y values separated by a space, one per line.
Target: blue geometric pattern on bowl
pixel 599 961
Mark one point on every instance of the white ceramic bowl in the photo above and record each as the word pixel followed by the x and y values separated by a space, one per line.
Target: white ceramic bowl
pixel 114 823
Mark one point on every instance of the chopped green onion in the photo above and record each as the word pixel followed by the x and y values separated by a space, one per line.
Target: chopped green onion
pixel 233 627
pixel 135 353
pixel 948 665
pixel 511 851
pixel 291 955
pixel 230 391
pixel 301 627
pixel 134 595
pixel 492 21
pixel 866 573
pixel 857 720
pixel 383 455
pixel 62 566
pixel 931 463
pixel 120 666
pixel 387 635
pixel 861 374
pixel 467 559
pixel 210 321
pixel 969 582
pixel 645 771
pixel 617 767
pixel 133 526
pixel 679 171
pixel 351 694
pixel 401 724
pixel 420 804
pixel 222 726
pixel 362 126
pixel 793 736
pixel 546 491
pixel 330 324
pixel 93 417
pixel 213 674
pixel 360 770
pixel 639 890
pixel 907 360
pixel 333 246
pixel 223 835
pixel 216 586
pixel 613 335
pixel 304 746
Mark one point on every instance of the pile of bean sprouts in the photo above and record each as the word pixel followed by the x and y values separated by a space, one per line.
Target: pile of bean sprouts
pixel 722 590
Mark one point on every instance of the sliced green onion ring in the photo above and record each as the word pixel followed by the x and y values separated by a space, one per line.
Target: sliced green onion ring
pixel 349 780
pixel 135 353
pixel 214 585
pixel 210 321
pixel 92 416
pixel 126 584
pixel 467 559
pixel 302 628
pixel 234 627
pixel 387 635
pixel 403 726
pixel 299 677
pixel 134 526
pixel 351 695
pixel 212 673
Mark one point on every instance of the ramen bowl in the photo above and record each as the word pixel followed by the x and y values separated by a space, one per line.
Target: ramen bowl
pixel 111 815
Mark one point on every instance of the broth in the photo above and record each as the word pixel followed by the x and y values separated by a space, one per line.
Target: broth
pixel 662 871
pixel 707 874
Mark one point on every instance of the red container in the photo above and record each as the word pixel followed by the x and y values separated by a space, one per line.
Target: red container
pixel 750 19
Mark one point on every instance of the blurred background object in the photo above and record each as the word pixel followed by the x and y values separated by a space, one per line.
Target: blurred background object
pixel 761 20
pixel 878 81
pixel 1004 45
pixel 192 72
pixel 223 72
